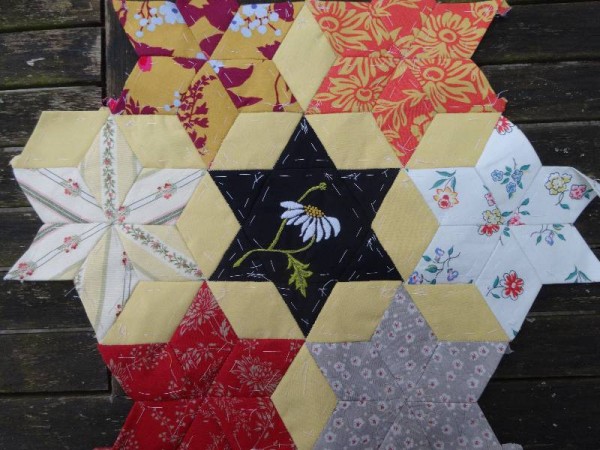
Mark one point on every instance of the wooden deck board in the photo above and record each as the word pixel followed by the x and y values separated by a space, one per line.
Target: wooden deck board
pixel 544 57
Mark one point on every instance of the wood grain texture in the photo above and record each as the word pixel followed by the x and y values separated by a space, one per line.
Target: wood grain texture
pixel 21 108
pixel 38 14
pixel 59 423
pixel 549 92
pixel 545 414
pixel 67 57
pixel 16 233
pixel 40 305
pixel 52 362
pixel 531 33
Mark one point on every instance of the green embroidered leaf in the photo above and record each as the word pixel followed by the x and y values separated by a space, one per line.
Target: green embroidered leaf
pixel 495 295
pixel 446 174
pixel 506 214
pixel 432 268
pixel 505 181
pixel 426 258
pixel 496 283
pixel 508 169
pixel 561 237
pixel 564 206
pixel 583 276
pixel 558 226
pixel 538 240
pixel 525 213
pixel 453 184
pixel 451 251
pixel 438 183
pixel 300 274
pixel 525 202
pixel 525 167
pixel 434 281
pixel 520 185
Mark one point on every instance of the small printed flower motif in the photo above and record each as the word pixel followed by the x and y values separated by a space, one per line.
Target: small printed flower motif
pixel 504 126
pixel 517 175
pixel 515 220
pixel 71 188
pixel 166 191
pixel 452 274
pixel 446 198
pixel 145 63
pixel 70 243
pixel 497 175
pixel 216 65
pixel 511 188
pixel 556 183
pixel 490 199
pixel 510 286
pixel 171 13
pixel 577 191
pixel 415 278
pixel 314 222
pixel 24 270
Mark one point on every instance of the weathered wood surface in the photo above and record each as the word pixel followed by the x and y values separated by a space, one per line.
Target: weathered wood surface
pixel 545 56
pixel 21 108
pixel 45 14
pixel 51 58
pixel 57 361
pixel 61 422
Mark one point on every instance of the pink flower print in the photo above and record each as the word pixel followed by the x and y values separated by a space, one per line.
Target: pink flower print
pixel 515 220
pixel 490 199
pixel 166 191
pixel 71 187
pixel 577 191
pixel 25 269
pixel 145 63
pixel 504 126
pixel 70 243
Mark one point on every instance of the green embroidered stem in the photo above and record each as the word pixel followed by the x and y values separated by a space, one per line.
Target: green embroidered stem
pixel 274 250
pixel 300 270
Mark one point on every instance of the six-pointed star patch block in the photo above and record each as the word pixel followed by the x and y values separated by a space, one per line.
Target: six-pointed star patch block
pixel 305 225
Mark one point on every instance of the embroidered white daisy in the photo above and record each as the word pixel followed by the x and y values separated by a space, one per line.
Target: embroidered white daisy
pixel 314 222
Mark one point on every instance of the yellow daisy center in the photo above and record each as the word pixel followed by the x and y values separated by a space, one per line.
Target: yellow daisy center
pixel 314 212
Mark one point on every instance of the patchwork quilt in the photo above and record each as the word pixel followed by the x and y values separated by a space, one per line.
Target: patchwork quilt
pixel 302 224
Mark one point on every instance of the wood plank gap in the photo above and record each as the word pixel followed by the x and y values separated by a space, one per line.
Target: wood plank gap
pixel 47 331
pixel 51 27
pixel 569 379
pixel 25 88
pixel 101 395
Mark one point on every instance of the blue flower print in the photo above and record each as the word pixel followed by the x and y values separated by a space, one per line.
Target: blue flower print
pixel 415 278
pixel 497 175
pixel 511 188
pixel 517 175
pixel 452 274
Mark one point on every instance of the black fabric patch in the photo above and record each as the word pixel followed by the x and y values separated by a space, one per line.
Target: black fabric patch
pixel 271 248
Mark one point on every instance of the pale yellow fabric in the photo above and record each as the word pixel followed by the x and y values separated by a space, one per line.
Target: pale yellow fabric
pixel 255 310
pixel 304 400
pixel 60 139
pixel 304 57
pixel 125 166
pixel 151 263
pixel 354 141
pixel 208 226
pixel 247 147
pixel 159 142
pixel 353 311
pixel 90 281
pixel 457 312
pixel 454 140
pixel 153 313
pixel 405 224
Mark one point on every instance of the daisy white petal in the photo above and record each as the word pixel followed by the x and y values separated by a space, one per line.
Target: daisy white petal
pixel 326 228
pixel 292 205
pixel 292 213
pixel 310 230
pixel 319 230
pixel 335 224
pixel 299 220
